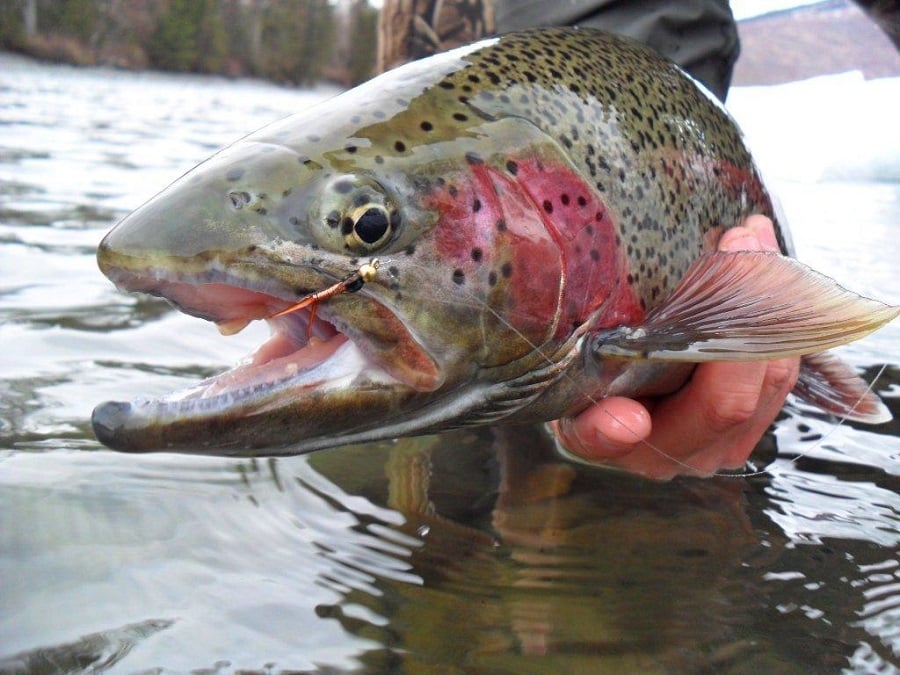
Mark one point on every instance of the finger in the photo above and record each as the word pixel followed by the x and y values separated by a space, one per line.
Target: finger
pixel 780 378
pixel 757 233
pixel 690 426
pixel 764 230
pixel 734 405
pixel 608 429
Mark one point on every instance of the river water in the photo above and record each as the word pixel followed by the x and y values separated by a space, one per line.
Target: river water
pixel 477 551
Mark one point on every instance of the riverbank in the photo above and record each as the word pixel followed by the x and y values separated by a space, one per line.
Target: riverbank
pixel 285 42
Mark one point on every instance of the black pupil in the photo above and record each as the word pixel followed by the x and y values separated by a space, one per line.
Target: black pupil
pixel 371 225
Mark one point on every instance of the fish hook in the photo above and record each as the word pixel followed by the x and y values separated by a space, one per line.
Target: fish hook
pixel 349 284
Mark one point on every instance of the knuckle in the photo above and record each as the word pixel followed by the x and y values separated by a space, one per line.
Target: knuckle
pixel 781 376
pixel 731 411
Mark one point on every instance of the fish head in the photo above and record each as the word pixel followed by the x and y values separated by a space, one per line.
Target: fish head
pixel 464 298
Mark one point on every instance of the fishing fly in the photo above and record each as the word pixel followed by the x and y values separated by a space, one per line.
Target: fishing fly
pixel 351 283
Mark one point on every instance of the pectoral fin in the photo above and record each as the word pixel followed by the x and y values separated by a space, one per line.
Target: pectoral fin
pixel 830 384
pixel 746 306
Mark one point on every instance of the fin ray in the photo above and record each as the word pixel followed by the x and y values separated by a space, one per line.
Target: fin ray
pixel 829 383
pixel 743 306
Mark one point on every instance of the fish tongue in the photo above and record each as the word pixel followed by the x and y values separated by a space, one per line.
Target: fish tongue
pixel 232 326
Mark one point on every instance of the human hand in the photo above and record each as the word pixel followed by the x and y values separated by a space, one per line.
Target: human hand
pixel 713 422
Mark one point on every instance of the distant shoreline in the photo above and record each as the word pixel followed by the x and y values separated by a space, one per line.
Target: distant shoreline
pixel 781 47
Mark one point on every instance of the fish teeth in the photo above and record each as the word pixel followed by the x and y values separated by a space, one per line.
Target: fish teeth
pixel 232 326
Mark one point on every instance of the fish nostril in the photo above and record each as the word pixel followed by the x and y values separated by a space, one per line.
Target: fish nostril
pixel 239 199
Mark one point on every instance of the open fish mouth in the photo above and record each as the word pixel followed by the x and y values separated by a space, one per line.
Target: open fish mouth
pixel 306 361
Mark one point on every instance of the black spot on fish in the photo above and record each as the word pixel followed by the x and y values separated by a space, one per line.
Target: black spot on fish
pixel 564 198
pixel 400 146
pixel 458 277
pixel 286 193
pixel 473 158
pixel 476 205
pixel 410 250
pixel 548 206
pixel 351 149
pixel 512 167
pixel 343 187
pixel 492 279
pixel 506 270
pixel 346 226
pixel 595 255
pixel 459 117
pixel 261 210
pixel 446 85
pixel 477 254
pixel 426 126
pixel 360 200
pixel 393 270
pixel 234 174
pixel 501 225
pixel 293 220
pixel 333 219
pixel 582 201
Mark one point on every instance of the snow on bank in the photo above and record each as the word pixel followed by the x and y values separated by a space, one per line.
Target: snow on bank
pixel 836 127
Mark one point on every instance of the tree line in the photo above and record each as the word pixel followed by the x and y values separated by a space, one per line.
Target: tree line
pixel 291 41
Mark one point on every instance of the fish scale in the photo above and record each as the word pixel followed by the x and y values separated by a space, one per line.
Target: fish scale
pixel 537 217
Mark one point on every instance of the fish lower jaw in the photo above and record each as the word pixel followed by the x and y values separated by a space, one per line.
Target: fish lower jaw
pixel 184 420
pixel 319 366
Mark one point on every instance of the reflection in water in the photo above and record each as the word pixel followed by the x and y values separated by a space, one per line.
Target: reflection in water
pixel 473 551
pixel 95 652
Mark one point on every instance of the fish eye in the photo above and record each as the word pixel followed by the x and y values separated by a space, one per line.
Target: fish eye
pixel 356 214
pixel 371 226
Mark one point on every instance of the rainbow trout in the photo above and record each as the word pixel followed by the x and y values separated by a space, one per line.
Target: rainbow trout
pixel 499 234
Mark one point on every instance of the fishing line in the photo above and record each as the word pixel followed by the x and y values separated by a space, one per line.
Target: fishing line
pixel 825 436
pixel 479 303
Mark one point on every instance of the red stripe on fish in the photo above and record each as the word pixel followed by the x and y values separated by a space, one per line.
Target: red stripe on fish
pixel 536 242
pixel 595 265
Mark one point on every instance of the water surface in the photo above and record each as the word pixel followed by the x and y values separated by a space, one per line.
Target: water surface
pixel 478 551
